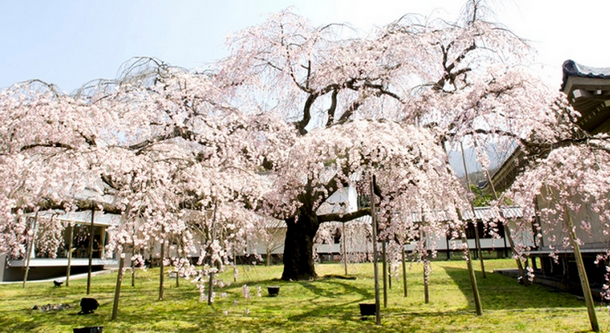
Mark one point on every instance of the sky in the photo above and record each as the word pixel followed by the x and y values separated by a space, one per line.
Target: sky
pixel 71 42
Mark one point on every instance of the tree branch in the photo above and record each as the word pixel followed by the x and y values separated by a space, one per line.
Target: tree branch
pixel 336 217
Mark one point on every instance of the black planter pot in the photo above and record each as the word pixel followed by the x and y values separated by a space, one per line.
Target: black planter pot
pixel 273 290
pixel 367 309
pixel 92 329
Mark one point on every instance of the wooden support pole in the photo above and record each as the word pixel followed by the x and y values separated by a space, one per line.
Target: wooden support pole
pixel 426 267
pixel 213 236
pixel 30 249
pixel 404 270
pixel 384 266
pixel 117 288
pixel 133 273
pixel 473 278
pixel 91 231
pixel 343 237
pixel 374 227
pixel 474 218
pixel 162 269
pixel 582 273
pixel 508 236
pixel 478 245
pixel 70 240
pixel 426 280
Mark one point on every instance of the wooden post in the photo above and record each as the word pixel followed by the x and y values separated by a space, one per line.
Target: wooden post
pixel 177 277
pixel 374 227
pixel 404 270
pixel 389 275
pixel 508 236
pixel 102 242
pixel 426 280
pixel 447 236
pixel 582 273
pixel 91 231
pixel 70 239
pixel 474 218
pixel 133 273
pixel 211 282
pixel 30 249
pixel 117 288
pixel 422 236
pixel 384 265
pixel 478 245
pixel 162 269
pixel 343 236
pixel 473 278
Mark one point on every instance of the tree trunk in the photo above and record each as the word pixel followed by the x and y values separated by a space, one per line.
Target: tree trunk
pixel 298 248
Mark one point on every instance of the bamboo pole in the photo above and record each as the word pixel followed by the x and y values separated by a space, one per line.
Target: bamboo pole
pixel 91 231
pixel 29 251
pixel 582 273
pixel 374 227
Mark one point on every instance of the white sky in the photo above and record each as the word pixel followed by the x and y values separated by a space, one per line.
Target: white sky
pixel 71 42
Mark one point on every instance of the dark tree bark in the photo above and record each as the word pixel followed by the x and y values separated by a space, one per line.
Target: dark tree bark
pixel 298 248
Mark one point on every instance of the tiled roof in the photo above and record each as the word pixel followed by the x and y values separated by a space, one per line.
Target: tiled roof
pixel 571 68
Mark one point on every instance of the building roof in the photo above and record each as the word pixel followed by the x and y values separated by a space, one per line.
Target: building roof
pixel 573 69
pixel 82 217
pixel 480 213
pixel 588 91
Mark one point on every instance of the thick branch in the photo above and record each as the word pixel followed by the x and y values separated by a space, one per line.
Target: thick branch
pixel 336 217
pixel 47 144
pixel 333 108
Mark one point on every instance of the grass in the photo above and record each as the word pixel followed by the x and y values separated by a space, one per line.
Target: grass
pixel 323 305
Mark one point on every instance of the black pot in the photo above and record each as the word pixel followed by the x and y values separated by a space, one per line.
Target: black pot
pixel 91 329
pixel 367 309
pixel 273 290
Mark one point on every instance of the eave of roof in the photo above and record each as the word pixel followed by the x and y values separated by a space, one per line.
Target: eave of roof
pixel 573 69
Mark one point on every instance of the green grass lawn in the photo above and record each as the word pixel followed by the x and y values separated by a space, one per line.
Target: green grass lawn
pixel 324 305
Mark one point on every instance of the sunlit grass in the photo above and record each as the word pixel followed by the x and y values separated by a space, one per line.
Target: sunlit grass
pixel 324 305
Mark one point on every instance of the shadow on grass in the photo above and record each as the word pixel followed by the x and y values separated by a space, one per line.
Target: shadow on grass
pixel 499 292
pixel 333 289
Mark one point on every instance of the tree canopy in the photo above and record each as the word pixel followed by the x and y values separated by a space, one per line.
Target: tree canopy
pixel 294 114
